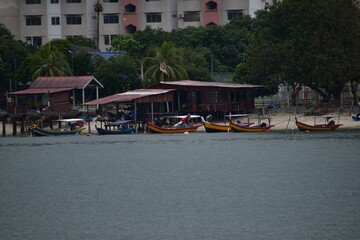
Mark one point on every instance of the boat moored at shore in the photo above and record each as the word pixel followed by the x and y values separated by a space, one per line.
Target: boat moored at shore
pixel 74 127
pixel 329 124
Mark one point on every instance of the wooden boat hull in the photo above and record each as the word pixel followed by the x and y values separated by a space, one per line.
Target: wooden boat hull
pixel 248 128
pixel 156 129
pixel 103 131
pixel 305 127
pixel 211 128
pixel 37 131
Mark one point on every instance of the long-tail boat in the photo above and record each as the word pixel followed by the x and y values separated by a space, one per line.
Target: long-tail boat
pixel 212 127
pixel 356 117
pixel 250 127
pixel 74 127
pixel 181 127
pixel 327 126
pixel 118 127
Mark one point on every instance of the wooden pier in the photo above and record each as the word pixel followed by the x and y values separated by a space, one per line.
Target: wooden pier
pixel 21 122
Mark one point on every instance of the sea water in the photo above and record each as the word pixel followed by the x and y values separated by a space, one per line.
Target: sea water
pixel 220 186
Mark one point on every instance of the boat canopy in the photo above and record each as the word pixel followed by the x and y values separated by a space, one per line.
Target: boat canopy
pixel 118 122
pixel 328 116
pixel 183 116
pixel 237 115
pixel 69 120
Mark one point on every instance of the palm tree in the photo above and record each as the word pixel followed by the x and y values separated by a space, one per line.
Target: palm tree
pixel 164 64
pixel 49 61
pixel 98 8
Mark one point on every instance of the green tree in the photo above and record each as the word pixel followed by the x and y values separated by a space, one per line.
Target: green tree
pixel 127 44
pixel 150 37
pixel 98 8
pixel 83 64
pixel 164 63
pixel 195 66
pixel 80 41
pixel 12 53
pixel 118 74
pixel 49 61
pixel 305 43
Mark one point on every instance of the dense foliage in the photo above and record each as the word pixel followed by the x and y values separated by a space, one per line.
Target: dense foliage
pixel 296 43
pixel 305 43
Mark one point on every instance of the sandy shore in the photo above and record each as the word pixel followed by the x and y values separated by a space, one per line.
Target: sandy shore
pixel 286 121
pixel 282 122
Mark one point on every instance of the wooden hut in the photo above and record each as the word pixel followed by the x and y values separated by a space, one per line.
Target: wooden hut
pixel 55 94
pixel 185 97
pixel 201 97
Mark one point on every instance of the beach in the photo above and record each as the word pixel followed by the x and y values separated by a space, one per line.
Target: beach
pixel 281 122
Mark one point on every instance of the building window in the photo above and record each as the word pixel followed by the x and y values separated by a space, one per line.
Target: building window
pixel 211 24
pixel 214 97
pixel 55 20
pixel 54 1
pixel 130 8
pixel 234 14
pixel 108 19
pixel 152 18
pixel 36 41
pixel 191 16
pixel 110 1
pixel 73 20
pixel 33 21
pixel 108 39
pixel 33 2
pixel 130 29
pixel 211 6
pixel 73 1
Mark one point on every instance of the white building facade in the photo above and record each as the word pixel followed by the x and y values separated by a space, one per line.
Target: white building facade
pixel 40 21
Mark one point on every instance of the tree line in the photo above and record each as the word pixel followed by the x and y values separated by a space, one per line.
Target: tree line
pixel 295 43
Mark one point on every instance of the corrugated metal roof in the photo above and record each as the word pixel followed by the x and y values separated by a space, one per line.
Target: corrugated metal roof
pixel 128 96
pixel 65 82
pixel 191 83
pixel 40 91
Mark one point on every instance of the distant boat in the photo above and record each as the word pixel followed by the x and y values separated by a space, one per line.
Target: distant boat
pixel 327 126
pixel 74 127
pixel 212 127
pixel 356 117
pixel 250 127
pixel 181 127
pixel 119 127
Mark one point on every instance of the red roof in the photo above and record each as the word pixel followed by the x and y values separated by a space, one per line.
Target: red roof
pixel 64 82
pixel 40 91
pixel 128 96
pixel 190 83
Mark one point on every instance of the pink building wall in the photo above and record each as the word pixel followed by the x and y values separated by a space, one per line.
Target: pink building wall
pixel 130 18
pixel 211 16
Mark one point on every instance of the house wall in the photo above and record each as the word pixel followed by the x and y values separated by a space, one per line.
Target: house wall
pixel 60 102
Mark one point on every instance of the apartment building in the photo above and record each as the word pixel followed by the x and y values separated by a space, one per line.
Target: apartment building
pixel 40 21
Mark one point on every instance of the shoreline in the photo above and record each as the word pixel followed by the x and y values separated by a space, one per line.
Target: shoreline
pixel 282 122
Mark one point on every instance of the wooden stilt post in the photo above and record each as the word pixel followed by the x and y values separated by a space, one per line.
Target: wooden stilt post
pixel 88 117
pixel 22 126
pixel 14 127
pixel 4 126
pixel 135 117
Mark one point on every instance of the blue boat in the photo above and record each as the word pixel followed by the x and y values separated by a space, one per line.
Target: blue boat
pixel 119 127
pixel 74 127
pixel 356 118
